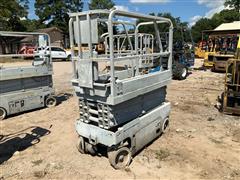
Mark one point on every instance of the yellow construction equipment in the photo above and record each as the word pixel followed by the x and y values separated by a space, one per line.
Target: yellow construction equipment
pixel 221 45
pixel 220 51
pixel 200 49
pixel 230 99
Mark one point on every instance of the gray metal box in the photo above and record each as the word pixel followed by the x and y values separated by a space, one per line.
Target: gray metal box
pixel 85 31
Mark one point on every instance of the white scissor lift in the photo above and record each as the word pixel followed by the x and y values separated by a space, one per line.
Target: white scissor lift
pixel 122 107
pixel 25 88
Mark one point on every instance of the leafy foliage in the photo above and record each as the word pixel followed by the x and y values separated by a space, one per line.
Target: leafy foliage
pixel 55 12
pixel 181 32
pixel 225 16
pixel 233 4
pixel 11 13
pixel 13 16
pixel 101 4
pixel 201 25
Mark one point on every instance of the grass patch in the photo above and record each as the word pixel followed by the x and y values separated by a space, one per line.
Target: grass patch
pixel 162 154
pixel 216 141
pixel 39 174
pixel 37 162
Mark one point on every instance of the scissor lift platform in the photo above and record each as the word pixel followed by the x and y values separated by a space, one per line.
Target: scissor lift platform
pixel 122 107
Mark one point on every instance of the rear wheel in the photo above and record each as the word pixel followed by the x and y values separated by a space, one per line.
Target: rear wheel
pixel 165 125
pixel 81 145
pixel 3 113
pixel 213 69
pixel 50 101
pixel 180 71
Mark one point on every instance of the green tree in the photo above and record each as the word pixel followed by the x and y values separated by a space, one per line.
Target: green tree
pixel 32 25
pixel 233 4
pixel 101 4
pixel 225 16
pixel 201 25
pixel 181 32
pixel 11 13
pixel 55 12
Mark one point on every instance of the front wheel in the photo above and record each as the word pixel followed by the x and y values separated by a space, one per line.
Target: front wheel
pixel 120 158
pixel 3 113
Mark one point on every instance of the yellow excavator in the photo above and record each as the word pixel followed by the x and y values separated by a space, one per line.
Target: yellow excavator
pixel 230 99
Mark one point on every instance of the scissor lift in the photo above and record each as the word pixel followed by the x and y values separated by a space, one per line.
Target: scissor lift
pixel 27 87
pixel 122 109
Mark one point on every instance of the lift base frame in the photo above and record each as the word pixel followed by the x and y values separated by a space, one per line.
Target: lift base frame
pixel 139 131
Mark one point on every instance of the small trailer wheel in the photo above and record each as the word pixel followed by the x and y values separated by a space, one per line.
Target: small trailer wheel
pixel 165 125
pixel 120 158
pixel 81 145
pixel 50 101
pixel 3 113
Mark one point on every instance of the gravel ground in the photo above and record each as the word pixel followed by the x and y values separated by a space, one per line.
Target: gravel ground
pixel 201 143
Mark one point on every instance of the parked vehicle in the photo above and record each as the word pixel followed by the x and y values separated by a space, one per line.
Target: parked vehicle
pixel 68 52
pixel 183 60
pixel 56 52
pixel 27 50
pixel 26 88
pixel 183 54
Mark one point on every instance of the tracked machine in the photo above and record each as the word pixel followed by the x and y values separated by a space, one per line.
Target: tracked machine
pixel 122 107
pixel 25 88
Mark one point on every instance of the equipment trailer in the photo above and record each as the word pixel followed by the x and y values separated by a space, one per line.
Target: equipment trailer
pixel 121 109
pixel 30 87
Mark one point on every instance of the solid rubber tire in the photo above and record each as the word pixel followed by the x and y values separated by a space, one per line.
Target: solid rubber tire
pixel 3 113
pixel 114 157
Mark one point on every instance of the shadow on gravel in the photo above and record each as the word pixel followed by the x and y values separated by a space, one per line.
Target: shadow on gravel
pixel 63 97
pixel 19 141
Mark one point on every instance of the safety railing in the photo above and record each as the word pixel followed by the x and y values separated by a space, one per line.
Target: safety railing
pixel 27 45
pixel 84 36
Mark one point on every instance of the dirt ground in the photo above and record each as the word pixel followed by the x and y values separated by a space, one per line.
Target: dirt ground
pixel 201 143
